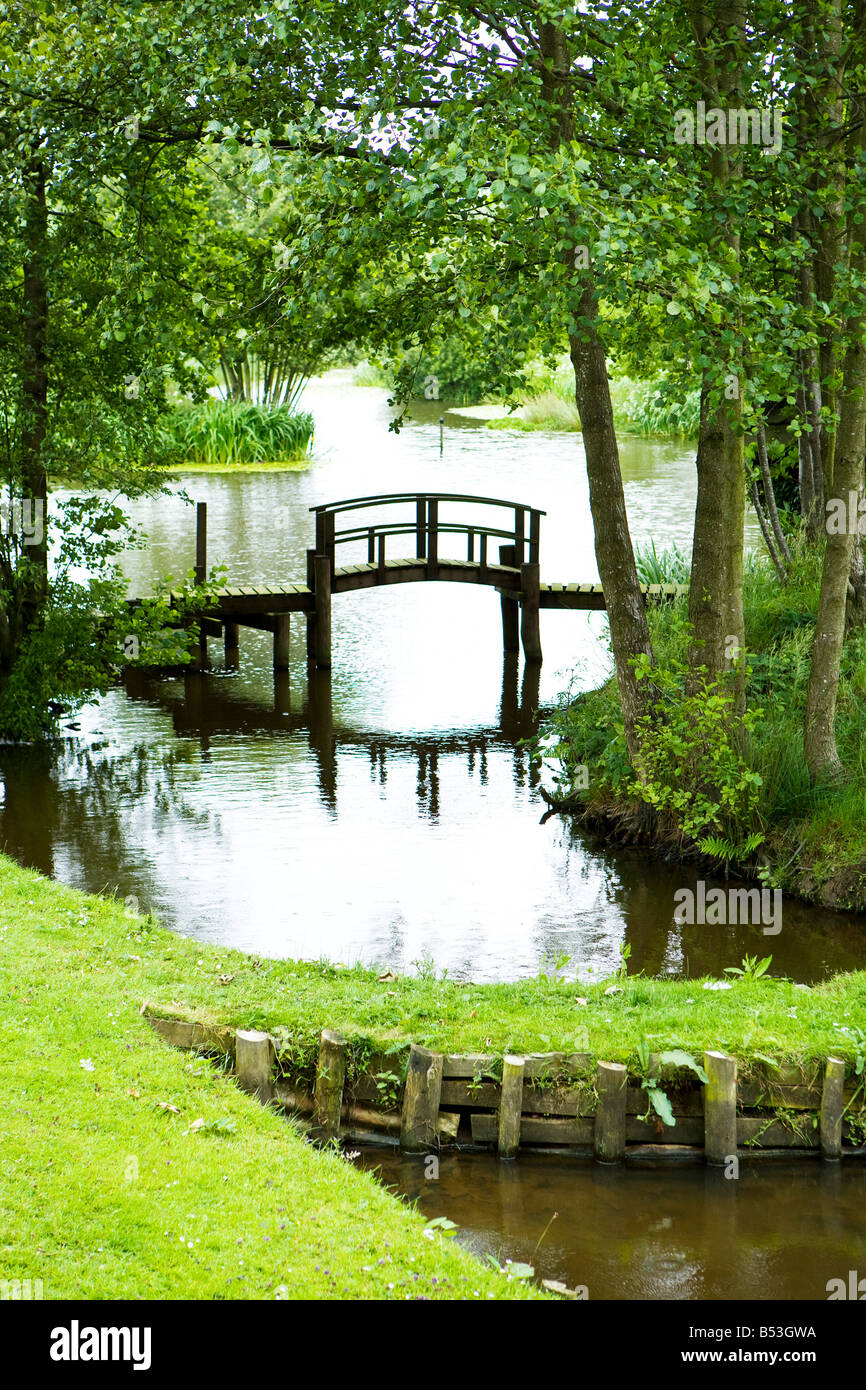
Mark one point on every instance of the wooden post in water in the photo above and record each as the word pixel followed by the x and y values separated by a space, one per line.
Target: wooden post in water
pixel 419 1123
pixel 510 608
pixel 201 570
pixel 720 1107
pixel 330 1080
pixel 282 637
pixel 200 542
pixel 254 1060
pixel 831 1108
pixel 530 616
pixel 611 1083
pixel 322 628
pixel 231 640
pixel 510 1106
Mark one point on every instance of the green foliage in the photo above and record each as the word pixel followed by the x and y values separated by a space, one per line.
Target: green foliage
pixel 657 1098
pixel 669 566
pixel 691 767
pixel 751 968
pixel 234 433
pixel 657 407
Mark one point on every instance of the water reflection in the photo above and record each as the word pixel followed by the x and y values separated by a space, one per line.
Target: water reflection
pixel 781 1231
pixel 199 708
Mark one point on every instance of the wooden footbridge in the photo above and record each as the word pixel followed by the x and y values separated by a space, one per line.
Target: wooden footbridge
pixel 503 556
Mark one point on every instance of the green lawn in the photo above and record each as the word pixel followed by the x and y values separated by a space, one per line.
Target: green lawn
pixel 109 1191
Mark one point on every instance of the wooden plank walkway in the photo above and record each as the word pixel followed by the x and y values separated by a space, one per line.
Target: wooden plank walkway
pixel 517 580
pixel 300 598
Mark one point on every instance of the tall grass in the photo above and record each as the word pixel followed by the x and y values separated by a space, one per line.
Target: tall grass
pixel 668 566
pixel 234 433
pixel 656 407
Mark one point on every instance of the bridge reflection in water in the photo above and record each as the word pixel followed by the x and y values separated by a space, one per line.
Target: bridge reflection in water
pixel 208 709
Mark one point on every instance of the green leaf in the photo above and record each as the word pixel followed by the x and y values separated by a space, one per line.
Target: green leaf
pixel 676 1057
pixel 662 1106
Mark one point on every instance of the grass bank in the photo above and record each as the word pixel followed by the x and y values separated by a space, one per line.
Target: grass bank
pixel 135 1170
pixel 756 809
pixel 652 408
pixel 132 1170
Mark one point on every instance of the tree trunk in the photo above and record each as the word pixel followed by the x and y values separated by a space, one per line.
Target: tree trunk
pixel 626 610
pixel 819 739
pixel 770 495
pixel 716 590
pixel 824 105
pixel 34 394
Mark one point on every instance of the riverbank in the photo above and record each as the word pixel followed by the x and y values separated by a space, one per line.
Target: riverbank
pixel 247 469
pixel 135 1171
pixel 759 814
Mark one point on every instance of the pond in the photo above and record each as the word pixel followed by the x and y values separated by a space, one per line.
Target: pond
pixel 385 812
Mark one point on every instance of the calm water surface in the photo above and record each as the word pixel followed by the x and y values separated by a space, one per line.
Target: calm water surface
pixel 781 1231
pixel 386 812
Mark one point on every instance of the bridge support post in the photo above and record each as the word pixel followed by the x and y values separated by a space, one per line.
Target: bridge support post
pixel 282 634
pixel 322 627
pixel 530 625
pixel 510 619
pixel 201 573
pixel 231 639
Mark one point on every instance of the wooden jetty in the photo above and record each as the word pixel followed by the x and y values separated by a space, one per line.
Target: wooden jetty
pixel 504 557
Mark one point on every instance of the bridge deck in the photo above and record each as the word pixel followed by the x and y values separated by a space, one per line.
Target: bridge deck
pixel 252 600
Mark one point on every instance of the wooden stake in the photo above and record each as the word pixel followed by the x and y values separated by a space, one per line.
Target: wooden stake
pixel 254 1059
pixel 282 635
pixel 720 1107
pixel 611 1080
pixel 510 608
pixel 510 1106
pixel 831 1108
pixel 231 639
pixel 200 542
pixel 322 629
pixel 419 1126
pixel 530 624
pixel 330 1079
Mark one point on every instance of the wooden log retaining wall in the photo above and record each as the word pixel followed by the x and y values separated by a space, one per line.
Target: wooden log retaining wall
pixel 556 1101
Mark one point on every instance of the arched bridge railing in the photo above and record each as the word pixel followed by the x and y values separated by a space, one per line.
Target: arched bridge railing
pixel 426 527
